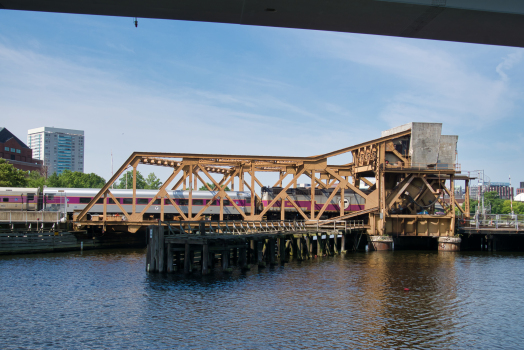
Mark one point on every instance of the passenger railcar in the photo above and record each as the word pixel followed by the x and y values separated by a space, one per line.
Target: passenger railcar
pixel 18 198
pixel 302 197
pixel 78 198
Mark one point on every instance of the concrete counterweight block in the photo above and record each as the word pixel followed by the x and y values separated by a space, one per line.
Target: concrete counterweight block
pixel 380 243
pixel 449 244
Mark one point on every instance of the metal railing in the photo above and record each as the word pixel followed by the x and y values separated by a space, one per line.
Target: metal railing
pixel 239 227
pixel 493 221
pixel 16 217
pixel 339 224
pixel 231 227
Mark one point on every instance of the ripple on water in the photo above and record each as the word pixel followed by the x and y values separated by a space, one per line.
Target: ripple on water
pixel 104 299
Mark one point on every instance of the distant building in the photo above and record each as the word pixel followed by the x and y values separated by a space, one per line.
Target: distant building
pixel 502 188
pixel 59 149
pixel 17 153
pixel 521 189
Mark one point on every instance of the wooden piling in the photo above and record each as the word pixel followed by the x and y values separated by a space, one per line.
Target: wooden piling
pixel 282 249
pixel 272 253
pixel 161 256
pixel 187 259
pixel 225 259
pixel 169 257
pixel 242 258
pixel 204 259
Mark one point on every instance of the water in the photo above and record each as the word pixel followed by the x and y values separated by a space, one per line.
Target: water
pixel 106 300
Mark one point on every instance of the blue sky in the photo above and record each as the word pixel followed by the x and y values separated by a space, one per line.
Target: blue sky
pixel 175 86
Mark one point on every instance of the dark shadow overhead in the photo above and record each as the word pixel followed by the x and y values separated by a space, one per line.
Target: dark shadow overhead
pixel 494 22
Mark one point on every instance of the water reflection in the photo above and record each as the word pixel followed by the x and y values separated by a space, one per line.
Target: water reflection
pixel 105 299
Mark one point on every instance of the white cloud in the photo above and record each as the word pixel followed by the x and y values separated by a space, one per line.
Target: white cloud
pixel 123 117
pixel 437 85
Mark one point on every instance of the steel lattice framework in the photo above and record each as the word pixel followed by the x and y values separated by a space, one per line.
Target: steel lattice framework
pixel 383 200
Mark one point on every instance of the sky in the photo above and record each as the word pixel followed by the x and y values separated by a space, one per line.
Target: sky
pixel 193 87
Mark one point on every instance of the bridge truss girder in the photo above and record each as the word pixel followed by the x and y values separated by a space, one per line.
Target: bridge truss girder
pixel 369 162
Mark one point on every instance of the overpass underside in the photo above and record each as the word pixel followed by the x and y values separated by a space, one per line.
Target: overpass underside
pixel 401 179
pixel 495 22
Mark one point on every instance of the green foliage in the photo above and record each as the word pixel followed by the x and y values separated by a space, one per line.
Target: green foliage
pixel 35 179
pixel 153 182
pixel 128 175
pixel 75 179
pixel 204 188
pixel 10 176
pixel 492 199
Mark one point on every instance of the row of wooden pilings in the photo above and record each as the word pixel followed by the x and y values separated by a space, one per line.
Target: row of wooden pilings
pixel 189 253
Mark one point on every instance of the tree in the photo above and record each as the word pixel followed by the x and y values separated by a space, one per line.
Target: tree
pixel 212 186
pixel 153 182
pixel 75 179
pixel 35 179
pixel 126 181
pixel 10 176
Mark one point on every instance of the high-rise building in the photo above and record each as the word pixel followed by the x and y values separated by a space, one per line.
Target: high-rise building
pixel 59 149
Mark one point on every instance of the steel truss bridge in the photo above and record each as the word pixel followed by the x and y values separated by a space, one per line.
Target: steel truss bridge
pixel 397 188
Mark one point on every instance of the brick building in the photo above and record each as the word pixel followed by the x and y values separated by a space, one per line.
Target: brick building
pixel 521 189
pixel 502 188
pixel 17 153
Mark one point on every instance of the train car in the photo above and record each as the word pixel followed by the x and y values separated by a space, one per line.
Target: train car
pixel 19 198
pixel 302 197
pixel 76 199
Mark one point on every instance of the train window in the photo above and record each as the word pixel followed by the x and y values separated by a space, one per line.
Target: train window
pixel 85 200
pixel 198 202
pixel 128 200
pixel 101 200
pixel 248 200
pixel 30 196
pixel 156 202
pixel 226 202
pixel 183 202
pixel 142 201
pixel 50 197
pixel 167 201
pixel 5 200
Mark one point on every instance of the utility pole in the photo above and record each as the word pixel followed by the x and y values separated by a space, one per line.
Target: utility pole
pixel 511 195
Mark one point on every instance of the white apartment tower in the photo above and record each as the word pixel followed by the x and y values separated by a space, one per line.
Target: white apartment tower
pixel 60 149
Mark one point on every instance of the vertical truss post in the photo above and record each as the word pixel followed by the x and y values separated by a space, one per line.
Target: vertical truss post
pixel 466 201
pixel 190 204
pixel 452 202
pixel 105 206
pixel 313 187
pixel 134 188
pixel 253 194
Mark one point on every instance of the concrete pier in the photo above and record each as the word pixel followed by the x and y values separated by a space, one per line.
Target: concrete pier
pixel 380 243
pixel 449 244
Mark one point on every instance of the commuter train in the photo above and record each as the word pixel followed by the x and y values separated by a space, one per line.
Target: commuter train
pixel 302 197
pixel 18 198
pixel 73 200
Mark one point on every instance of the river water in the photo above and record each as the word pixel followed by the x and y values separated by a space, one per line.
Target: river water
pixel 105 300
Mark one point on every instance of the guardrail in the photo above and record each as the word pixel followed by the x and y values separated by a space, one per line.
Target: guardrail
pixel 15 217
pixel 496 221
pixel 207 227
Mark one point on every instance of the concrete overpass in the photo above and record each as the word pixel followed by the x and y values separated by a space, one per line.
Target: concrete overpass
pixel 494 22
